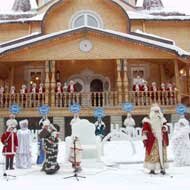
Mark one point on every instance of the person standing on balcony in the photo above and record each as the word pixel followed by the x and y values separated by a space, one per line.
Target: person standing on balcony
pixel 23 92
pixel 145 87
pixel 71 87
pixel 155 139
pixel 129 124
pixel 41 89
pixel 170 90
pixel 10 142
pixel 163 87
pixel 12 91
pixel 65 87
pixel 58 89
pixel 23 89
pixel 33 89
pixel 154 92
pixel 24 154
pixel 163 93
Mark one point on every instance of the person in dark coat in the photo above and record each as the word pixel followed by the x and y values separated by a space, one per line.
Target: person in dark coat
pixel 50 134
pixel 100 128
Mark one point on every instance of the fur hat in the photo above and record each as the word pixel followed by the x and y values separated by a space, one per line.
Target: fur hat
pixel 23 123
pixel 146 120
pixel 155 107
pixel 46 122
pixel 11 123
pixel 183 122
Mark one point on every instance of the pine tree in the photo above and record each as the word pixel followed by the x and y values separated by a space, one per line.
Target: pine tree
pixel 21 5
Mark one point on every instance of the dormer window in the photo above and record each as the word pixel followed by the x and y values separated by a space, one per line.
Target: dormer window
pixel 86 18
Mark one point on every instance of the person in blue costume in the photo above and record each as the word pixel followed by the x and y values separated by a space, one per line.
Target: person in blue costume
pixel 41 153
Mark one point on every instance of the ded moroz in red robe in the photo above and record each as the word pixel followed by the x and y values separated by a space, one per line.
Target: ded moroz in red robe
pixel 10 141
pixel 152 157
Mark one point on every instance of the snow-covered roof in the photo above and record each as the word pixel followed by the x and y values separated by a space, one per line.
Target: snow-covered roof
pixel 33 15
pixel 34 18
pixel 14 41
pixel 138 39
pixel 145 15
pixel 155 37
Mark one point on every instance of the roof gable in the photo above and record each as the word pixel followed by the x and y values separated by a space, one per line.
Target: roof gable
pixel 120 44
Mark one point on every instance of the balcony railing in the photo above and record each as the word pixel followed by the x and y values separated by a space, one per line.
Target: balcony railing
pixel 27 100
pixel 164 98
pixel 91 99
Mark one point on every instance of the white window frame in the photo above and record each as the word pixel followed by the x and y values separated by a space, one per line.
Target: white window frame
pixel 85 13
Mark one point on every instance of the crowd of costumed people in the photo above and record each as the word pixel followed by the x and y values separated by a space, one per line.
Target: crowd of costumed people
pixel 17 142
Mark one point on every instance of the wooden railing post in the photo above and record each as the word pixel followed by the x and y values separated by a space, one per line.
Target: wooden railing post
pixel 125 81
pixel 119 81
pixel 176 68
pixel 47 82
pixel 52 83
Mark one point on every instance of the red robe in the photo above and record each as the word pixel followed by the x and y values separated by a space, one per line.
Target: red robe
pixel 10 141
pixel 149 142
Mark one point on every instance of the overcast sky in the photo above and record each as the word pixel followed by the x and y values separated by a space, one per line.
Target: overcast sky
pixel 182 5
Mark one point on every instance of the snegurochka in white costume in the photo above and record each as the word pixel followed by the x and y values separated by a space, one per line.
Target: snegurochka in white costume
pixel 23 154
pixel 181 143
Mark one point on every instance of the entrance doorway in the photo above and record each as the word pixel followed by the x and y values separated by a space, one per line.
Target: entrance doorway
pixel 96 85
pixel 96 88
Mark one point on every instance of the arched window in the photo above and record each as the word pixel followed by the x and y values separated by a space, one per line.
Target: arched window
pixel 86 18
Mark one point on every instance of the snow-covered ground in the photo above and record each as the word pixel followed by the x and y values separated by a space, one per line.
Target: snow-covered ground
pixel 121 169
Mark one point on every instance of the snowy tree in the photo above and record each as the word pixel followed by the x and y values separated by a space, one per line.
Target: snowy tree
pixel 21 5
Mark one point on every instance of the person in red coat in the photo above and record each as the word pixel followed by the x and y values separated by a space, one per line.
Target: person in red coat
pixel 10 142
pixel 58 89
pixel 71 87
pixel 155 139
pixel 41 89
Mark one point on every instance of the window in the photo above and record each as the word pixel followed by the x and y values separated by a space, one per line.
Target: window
pixel 86 18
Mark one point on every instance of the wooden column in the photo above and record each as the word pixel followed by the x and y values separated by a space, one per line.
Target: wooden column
pixel 176 69
pixel 52 84
pixel 187 75
pixel 125 81
pixel 47 82
pixel 119 81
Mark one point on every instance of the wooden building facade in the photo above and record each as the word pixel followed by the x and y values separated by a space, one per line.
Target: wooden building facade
pixel 102 45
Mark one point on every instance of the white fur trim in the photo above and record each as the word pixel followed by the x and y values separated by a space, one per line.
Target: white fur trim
pixel 146 120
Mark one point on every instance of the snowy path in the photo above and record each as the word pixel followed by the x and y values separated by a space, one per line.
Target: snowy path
pixel 128 177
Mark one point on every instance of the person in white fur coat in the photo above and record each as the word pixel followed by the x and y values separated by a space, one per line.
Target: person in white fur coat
pixel 129 123
pixel 23 154
pixel 181 143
